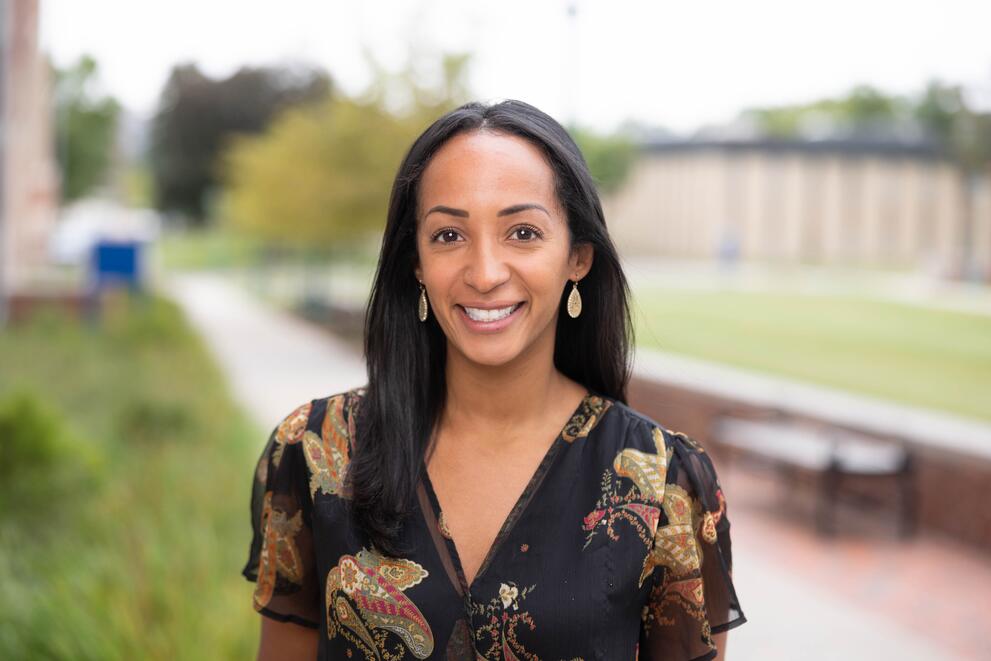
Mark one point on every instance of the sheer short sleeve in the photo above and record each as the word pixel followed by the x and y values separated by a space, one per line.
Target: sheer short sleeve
pixel 281 559
pixel 691 595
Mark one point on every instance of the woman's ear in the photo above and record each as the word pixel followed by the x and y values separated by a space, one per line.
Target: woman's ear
pixel 580 261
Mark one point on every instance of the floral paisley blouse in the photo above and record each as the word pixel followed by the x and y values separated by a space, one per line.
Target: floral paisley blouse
pixel 618 548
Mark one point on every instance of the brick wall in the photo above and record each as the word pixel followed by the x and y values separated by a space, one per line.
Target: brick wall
pixel 953 491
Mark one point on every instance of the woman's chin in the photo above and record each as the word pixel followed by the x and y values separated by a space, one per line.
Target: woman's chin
pixel 490 356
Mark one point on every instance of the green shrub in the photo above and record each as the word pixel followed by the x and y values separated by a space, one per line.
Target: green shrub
pixel 141 321
pixel 29 436
pixel 146 565
pixel 41 462
pixel 145 420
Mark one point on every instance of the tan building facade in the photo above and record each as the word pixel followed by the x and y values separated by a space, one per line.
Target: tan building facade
pixel 833 203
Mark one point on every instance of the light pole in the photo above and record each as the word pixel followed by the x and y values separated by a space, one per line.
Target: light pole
pixel 571 74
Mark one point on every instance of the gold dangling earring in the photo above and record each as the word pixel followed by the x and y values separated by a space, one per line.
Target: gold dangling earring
pixel 574 301
pixel 422 308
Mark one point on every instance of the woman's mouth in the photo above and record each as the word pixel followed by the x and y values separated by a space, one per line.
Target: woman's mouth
pixel 480 314
pixel 492 319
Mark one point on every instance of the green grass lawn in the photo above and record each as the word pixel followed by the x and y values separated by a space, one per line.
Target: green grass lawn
pixel 207 248
pixel 124 508
pixel 908 354
pixel 219 247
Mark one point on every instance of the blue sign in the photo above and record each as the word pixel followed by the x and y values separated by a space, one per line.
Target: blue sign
pixel 117 263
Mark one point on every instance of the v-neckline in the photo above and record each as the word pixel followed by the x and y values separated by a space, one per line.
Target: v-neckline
pixel 514 514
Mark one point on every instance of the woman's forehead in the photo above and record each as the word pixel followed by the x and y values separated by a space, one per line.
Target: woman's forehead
pixel 482 165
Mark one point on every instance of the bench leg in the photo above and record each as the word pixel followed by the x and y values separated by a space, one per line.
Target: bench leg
pixel 826 503
pixel 906 482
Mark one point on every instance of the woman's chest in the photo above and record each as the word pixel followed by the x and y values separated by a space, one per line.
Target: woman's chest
pixel 476 501
pixel 546 583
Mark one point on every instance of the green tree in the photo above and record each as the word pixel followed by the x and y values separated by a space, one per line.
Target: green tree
pixel 964 133
pixel 941 111
pixel 609 156
pixel 319 178
pixel 863 108
pixel 85 128
pixel 197 115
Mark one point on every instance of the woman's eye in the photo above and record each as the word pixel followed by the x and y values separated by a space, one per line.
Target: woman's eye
pixel 446 236
pixel 526 233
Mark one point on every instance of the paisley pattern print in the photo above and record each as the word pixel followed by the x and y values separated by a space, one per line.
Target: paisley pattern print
pixel 647 469
pixel 289 431
pixel 327 455
pixel 502 619
pixel 365 604
pixel 638 505
pixel 674 545
pixel 659 522
pixel 677 551
pixel 711 519
pixel 591 410
pixel 497 637
pixel 681 590
pixel 279 555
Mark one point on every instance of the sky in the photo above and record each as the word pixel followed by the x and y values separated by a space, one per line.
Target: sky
pixel 679 65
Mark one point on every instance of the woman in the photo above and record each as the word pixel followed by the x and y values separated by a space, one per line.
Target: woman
pixel 489 495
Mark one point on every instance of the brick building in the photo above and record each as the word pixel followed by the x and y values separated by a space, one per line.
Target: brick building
pixel 28 171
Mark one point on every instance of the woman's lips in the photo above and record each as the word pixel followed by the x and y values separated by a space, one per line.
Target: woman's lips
pixel 489 326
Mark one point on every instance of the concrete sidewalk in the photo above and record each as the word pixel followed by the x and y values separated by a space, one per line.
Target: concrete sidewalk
pixel 273 361
pixel 796 596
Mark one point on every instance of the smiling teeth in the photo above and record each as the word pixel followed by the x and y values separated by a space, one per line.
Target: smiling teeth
pixel 477 314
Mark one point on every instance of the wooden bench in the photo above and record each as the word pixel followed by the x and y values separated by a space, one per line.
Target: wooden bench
pixel 832 454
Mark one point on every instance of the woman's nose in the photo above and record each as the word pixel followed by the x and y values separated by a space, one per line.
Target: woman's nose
pixel 486 268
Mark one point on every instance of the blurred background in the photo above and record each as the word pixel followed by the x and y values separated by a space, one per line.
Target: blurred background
pixel 191 200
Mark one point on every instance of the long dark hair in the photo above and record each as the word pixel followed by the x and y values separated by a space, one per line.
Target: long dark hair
pixel 406 358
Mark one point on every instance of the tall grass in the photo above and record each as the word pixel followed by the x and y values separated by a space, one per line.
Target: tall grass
pixel 125 538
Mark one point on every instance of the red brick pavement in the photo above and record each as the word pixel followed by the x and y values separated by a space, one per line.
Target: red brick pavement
pixel 935 587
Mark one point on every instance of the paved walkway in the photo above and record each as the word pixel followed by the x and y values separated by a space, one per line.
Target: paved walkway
pixel 864 594
pixel 274 361
pixel 861 597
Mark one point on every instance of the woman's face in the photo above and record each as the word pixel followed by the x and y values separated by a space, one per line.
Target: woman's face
pixel 494 247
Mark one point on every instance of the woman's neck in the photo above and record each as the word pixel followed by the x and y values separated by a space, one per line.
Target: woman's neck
pixel 505 400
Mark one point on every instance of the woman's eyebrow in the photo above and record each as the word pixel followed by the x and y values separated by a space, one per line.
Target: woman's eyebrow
pixel 461 213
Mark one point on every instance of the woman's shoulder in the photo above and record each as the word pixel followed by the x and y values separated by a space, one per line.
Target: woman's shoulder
pixel 313 412
pixel 316 435
pixel 653 455
pixel 328 417
pixel 635 429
